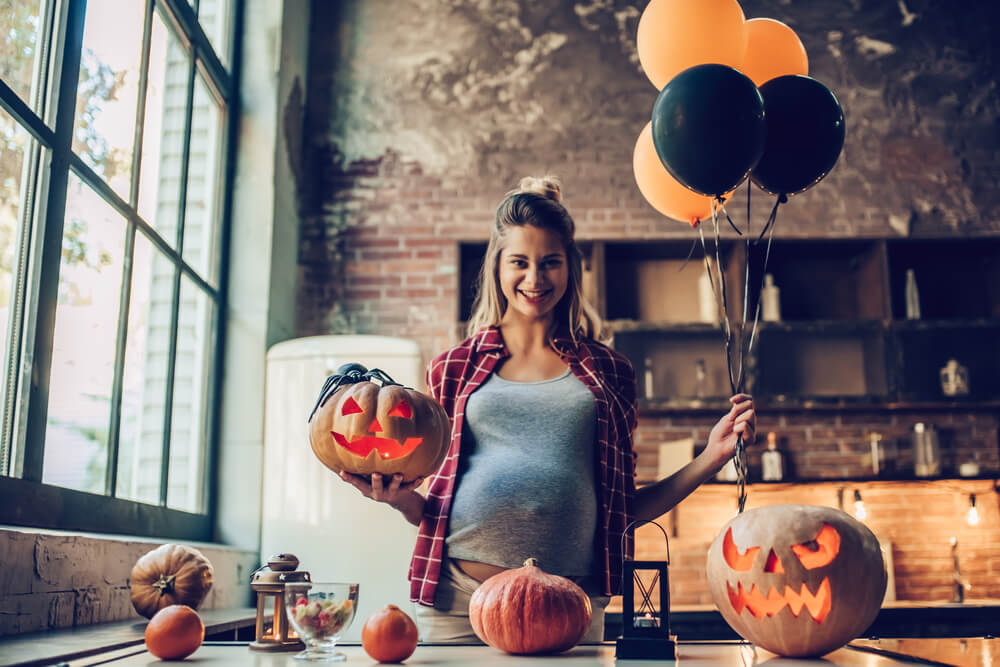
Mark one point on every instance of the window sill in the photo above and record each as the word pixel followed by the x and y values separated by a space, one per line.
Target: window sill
pixel 55 580
pixel 54 646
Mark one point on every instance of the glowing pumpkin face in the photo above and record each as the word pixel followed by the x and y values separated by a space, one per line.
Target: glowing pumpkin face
pixel 797 580
pixel 363 427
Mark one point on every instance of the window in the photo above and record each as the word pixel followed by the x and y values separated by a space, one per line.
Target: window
pixel 115 123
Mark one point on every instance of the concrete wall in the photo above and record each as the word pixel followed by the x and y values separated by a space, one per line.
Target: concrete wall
pixel 51 580
pixel 264 240
pixel 421 114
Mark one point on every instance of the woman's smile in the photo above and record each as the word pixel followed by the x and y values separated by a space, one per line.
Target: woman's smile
pixel 535 296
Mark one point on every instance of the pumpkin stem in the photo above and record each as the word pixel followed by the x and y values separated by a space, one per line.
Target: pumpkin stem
pixel 165 584
pixel 533 562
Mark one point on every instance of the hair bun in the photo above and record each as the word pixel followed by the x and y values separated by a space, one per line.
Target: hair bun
pixel 547 186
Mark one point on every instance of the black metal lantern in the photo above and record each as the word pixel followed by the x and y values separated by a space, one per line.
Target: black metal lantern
pixel 646 628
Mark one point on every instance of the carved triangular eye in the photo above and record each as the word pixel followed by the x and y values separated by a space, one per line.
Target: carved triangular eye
pixel 820 551
pixel 740 562
pixel 351 407
pixel 403 410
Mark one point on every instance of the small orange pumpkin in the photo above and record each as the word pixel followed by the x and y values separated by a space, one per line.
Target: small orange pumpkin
pixel 363 427
pixel 389 635
pixel 528 611
pixel 168 575
pixel 797 580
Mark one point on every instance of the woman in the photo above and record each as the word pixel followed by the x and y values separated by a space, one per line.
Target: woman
pixel 541 462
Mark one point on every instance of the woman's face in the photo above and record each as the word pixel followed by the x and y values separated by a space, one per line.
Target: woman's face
pixel 533 272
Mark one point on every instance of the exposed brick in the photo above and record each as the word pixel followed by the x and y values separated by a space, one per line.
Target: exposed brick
pixel 410 293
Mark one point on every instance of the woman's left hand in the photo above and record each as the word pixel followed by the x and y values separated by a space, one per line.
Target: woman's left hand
pixel 740 420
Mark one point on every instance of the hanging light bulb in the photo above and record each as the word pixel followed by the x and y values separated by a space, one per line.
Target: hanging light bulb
pixel 860 513
pixel 972 516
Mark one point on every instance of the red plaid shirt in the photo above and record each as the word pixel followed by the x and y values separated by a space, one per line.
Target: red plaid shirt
pixel 455 374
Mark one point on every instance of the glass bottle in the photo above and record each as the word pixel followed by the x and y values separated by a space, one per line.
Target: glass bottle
pixel 912 296
pixel 772 460
pixel 770 300
pixel 647 376
pixel 700 378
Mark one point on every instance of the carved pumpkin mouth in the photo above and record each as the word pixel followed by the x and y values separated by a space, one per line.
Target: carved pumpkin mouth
pixel 387 448
pixel 817 603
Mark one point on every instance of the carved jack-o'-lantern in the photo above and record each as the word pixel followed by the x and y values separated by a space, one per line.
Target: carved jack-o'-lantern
pixel 362 427
pixel 797 580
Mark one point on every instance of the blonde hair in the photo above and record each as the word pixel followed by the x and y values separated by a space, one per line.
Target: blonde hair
pixel 536 202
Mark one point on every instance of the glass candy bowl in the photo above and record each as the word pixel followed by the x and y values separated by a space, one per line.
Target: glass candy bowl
pixel 320 613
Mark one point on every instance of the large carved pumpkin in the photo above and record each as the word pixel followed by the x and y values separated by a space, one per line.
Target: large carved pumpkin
pixel 797 580
pixel 528 611
pixel 364 422
pixel 171 574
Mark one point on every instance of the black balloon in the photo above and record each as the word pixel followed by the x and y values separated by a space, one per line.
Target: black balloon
pixel 709 128
pixel 805 134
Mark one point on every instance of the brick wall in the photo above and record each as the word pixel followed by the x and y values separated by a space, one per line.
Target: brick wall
pixel 50 580
pixel 918 519
pixel 413 139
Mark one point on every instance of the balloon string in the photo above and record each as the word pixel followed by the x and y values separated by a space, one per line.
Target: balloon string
pixel 732 331
pixel 774 212
pixel 722 205
pixel 706 255
pixel 763 272
pixel 694 244
pixel 746 279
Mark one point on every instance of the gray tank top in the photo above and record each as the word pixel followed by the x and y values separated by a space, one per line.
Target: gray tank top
pixel 526 484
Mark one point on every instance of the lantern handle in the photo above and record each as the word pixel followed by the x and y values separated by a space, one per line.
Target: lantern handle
pixel 640 522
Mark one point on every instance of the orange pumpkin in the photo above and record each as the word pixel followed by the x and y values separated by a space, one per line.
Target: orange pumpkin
pixel 174 633
pixel 797 580
pixel 168 575
pixel 362 427
pixel 528 611
pixel 389 635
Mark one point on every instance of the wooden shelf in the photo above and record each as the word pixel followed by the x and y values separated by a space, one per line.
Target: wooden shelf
pixel 827 279
pixel 988 476
pixel 957 279
pixel 765 405
pixel 841 344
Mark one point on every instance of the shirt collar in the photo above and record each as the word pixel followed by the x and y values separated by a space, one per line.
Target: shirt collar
pixel 490 340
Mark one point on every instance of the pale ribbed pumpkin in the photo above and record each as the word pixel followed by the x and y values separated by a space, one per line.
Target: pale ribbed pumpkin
pixel 797 580
pixel 168 575
pixel 363 427
pixel 528 611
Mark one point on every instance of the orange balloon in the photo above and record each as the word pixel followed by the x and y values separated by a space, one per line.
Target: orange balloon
pixel 663 191
pixel 677 34
pixel 773 50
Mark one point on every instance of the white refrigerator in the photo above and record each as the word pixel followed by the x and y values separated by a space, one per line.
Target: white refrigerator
pixel 307 510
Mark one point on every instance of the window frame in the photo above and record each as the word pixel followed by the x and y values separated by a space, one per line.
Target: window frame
pixel 24 499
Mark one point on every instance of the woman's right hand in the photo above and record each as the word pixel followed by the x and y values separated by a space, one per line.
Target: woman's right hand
pixel 398 494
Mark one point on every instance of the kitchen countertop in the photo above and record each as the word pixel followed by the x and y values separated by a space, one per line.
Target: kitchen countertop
pixel 871 654
pixel 972 620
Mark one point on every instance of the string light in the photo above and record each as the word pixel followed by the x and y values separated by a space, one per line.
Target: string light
pixel 972 516
pixel 860 513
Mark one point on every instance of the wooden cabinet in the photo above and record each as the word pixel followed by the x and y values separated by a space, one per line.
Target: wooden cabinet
pixel 843 337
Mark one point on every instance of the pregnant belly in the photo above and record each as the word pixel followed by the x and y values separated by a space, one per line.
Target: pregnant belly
pixel 478 571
